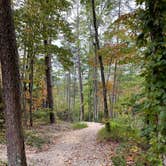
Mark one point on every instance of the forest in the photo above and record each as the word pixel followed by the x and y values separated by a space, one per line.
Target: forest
pixel 83 82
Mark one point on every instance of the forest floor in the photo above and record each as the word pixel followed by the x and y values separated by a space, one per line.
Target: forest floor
pixel 70 148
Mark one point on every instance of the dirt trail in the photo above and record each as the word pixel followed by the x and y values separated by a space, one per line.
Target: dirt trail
pixel 74 148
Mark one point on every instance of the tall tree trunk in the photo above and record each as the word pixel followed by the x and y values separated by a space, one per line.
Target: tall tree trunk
pixel 79 67
pixel 90 95
pixel 24 88
pixel 81 90
pixel 113 101
pixel 31 90
pixel 109 94
pixel 49 84
pixel 74 87
pixel 95 73
pixel 11 87
pixel 69 94
pixel 100 61
pixel 95 87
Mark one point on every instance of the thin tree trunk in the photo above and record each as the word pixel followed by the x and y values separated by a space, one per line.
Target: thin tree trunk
pixel 24 88
pixel 74 88
pixel 69 95
pixel 95 75
pixel 49 84
pixel 81 90
pixel 109 94
pixel 95 87
pixel 79 68
pixel 100 61
pixel 11 87
pixel 113 101
pixel 90 85
pixel 115 70
pixel 31 90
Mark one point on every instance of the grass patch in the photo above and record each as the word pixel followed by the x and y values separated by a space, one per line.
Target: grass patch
pixel 33 139
pixel 79 125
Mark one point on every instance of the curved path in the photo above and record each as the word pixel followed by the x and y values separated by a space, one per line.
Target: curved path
pixel 72 148
pixel 75 148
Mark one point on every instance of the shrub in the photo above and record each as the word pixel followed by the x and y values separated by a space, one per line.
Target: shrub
pixel 79 125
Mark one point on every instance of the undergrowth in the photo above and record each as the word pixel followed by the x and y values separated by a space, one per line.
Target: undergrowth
pixel 127 132
pixel 34 139
pixel 79 125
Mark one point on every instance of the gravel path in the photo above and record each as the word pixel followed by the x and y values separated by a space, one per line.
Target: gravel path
pixel 74 148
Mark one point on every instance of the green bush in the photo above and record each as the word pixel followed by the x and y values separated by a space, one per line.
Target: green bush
pixel 79 125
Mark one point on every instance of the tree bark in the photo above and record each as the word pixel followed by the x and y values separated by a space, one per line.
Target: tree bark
pixel 100 61
pixel 49 84
pixel 11 87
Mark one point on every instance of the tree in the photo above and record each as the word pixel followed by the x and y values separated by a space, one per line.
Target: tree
pixel 79 65
pixel 49 84
pixel 100 60
pixel 11 86
pixel 36 31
